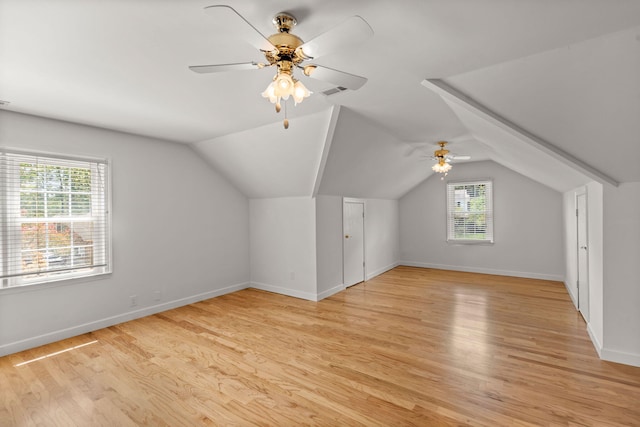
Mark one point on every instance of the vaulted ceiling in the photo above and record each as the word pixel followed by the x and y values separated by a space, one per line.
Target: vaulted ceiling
pixel 550 89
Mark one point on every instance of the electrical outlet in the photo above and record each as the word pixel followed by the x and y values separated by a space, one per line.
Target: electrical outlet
pixel 157 295
pixel 134 300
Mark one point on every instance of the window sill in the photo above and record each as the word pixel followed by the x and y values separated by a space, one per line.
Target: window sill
pixel 470 242
pixel 66 281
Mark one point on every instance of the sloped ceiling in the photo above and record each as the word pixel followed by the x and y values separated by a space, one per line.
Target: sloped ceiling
pixel 567 71
pixel 509 149
pixel 366 161
pixel 584 98
pixel 267 162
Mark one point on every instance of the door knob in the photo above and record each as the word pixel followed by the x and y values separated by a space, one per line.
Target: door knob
pixel 583 247
pixel 346 236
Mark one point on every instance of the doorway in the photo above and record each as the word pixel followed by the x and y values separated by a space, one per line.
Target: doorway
pixel 353 241
pixel 583 255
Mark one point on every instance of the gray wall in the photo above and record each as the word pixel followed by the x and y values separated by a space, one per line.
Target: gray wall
pixel 179 229
pixel 528 226
pixel 381 240
pixel 283 245
pixel 329 245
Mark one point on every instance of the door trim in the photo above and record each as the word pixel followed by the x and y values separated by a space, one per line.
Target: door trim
pixel 582 289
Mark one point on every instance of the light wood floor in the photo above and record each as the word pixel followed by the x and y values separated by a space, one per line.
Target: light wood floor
pixel 411 347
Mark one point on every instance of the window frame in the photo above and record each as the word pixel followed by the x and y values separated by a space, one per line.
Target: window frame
pixel 488 212
pixel 12 275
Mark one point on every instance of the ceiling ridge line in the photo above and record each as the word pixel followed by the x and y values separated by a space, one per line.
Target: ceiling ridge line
pixel 447 91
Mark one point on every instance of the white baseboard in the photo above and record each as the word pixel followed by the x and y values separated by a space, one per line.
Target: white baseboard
pixel 61 334
pixel 613 355
pixel 329 292
pixel 284 291
pixel 524 274
pixel 380 271
pixel 620 357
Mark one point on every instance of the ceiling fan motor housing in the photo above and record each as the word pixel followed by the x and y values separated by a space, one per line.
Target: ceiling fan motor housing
pixel 441 153
pixel 286 44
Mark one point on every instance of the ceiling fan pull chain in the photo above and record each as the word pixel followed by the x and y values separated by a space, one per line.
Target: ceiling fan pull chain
pixel 286 121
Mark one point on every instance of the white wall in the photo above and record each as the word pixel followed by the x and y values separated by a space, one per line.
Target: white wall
pixel 382 236
pixel 594 194
pixel 179 229
pixel 329 245
pixel 622 273
pixel 528 226
pixel 571 242
pixel 595 244
pixel 614 270
pixel 283 246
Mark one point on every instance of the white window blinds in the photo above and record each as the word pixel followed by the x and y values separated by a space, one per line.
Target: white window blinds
pixel 54 218
pixel 470 211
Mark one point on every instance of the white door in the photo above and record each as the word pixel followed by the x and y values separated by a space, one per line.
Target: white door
pixel 353 246
pixel 583 257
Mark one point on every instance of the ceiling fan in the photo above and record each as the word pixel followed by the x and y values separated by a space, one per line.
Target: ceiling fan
pixel 444 157
pixel 286 52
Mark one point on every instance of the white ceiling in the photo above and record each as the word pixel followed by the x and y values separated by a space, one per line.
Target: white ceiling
pixel 366 161
pixel 262 161
pixel 583 98
pixel 567 71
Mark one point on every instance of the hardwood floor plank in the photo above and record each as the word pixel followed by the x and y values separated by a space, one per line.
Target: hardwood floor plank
pixel 411 347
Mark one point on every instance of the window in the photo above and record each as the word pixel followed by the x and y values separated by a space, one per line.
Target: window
pixel 470 212
pixel 54 218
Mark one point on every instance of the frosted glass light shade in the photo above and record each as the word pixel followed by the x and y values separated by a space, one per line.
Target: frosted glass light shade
pixel 441 167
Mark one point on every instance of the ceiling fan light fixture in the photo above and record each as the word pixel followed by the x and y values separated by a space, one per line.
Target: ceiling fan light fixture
pixel 284 85
pixel 300 92
pixel 270 92
pixel 441 167
pixel 287 51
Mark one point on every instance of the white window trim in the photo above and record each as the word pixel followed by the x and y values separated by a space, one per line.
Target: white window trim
pixel 489 212
pixel 12 218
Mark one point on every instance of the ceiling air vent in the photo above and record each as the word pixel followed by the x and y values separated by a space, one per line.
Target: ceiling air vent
pixel 334 90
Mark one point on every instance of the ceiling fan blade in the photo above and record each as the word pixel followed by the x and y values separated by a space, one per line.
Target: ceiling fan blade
pixel 351 32
pixel 219 68
pixel 339 78
pixel 460 157
pixel 248 32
